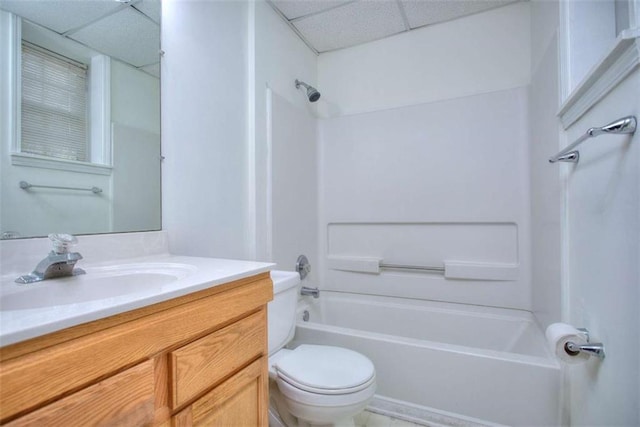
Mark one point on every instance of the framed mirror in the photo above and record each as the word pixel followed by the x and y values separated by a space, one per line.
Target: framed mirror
pixel 79 117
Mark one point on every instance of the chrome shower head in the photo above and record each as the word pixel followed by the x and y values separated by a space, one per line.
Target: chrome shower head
pixel 312 92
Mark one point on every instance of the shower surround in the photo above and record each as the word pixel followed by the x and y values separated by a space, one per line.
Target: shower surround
pixel 424 185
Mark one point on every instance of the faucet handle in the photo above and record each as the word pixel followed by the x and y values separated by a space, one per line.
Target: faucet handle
pixel 62 242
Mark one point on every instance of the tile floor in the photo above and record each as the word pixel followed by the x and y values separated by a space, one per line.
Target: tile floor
pixel 369 419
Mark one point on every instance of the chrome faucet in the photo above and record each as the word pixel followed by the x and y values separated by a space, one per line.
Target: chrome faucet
pixel 59 263
pixel 315 292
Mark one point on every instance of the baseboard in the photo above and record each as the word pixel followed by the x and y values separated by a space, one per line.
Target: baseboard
pixel 423 415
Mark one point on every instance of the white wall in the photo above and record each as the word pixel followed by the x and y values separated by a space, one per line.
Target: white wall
pixel 135 135
pixel 477 54
pixel 216 195
pixel 284 143
pixel 135 97
pixel 602 229
pixel 590 214
pixel 135 179
pixel 204 122
pixel 434 166
pixel 546 199
pixel 591 31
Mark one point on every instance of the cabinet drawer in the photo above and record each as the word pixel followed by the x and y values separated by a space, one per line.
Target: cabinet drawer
pixel 239 401
pixel 201 364
pixel 126 399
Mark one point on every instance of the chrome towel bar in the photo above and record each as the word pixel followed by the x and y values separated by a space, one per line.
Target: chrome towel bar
pixel 412 267
pixel 625 125
pixel 25 186
pixel 450 269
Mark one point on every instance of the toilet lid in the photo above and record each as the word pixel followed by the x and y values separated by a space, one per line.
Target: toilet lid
pixel 326 369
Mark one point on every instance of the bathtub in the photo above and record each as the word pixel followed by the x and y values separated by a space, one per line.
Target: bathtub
pixel 438 361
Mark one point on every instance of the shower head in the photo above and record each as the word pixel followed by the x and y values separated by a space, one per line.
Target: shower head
pixel 312 92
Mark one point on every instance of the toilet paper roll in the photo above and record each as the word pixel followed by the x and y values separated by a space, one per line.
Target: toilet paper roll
pixel 558 335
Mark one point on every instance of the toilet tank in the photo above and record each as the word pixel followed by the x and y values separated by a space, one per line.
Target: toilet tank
pixel 281 311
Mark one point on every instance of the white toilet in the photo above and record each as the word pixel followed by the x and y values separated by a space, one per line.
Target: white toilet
pixel 312 384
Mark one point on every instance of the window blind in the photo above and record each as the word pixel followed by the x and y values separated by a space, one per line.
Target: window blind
pixel 54 105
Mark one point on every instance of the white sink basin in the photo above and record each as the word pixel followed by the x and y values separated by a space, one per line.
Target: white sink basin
pixel 98 284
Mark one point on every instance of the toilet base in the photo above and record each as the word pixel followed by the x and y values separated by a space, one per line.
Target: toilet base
pixel 280 414
pixel 276 421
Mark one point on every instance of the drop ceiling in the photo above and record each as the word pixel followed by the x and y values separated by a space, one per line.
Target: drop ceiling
pixel 130 31
pixel 127 31
pixel 326 25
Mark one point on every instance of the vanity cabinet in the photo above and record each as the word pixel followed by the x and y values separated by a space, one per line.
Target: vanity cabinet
pixel 200 359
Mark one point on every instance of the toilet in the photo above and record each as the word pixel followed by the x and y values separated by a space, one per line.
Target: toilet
pixel 311 385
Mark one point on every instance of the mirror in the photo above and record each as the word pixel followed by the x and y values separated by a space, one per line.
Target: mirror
pixel 79 117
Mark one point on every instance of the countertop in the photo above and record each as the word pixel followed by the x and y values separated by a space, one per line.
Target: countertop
pixel 36 319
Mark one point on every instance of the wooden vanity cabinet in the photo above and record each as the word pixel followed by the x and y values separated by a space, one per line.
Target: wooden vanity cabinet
pixel 196 360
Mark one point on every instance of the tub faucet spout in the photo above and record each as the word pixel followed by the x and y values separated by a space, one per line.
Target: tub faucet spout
pixel 315 292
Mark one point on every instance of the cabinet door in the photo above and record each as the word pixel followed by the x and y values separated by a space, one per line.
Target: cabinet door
pixel 126 399
pixel 205 362
pixel 241 400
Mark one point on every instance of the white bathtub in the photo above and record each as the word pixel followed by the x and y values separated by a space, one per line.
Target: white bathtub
pixel 469 362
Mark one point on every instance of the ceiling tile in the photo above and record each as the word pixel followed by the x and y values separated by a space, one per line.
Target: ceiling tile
pixel 352 24
pixel 151 8
pixel 126 35
pixel 296 8
pixel 425 12
pixel 60 15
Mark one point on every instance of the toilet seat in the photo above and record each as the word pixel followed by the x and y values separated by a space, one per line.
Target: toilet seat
pixel 325 370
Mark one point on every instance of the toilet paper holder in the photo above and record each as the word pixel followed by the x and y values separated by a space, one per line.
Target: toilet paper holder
pixel 592 349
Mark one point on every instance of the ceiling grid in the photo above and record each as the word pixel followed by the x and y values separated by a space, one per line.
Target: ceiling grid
pixel 326 25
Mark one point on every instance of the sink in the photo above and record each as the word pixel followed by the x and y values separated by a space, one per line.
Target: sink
pixel 98 284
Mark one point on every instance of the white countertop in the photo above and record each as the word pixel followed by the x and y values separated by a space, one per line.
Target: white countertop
pixel 195 274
